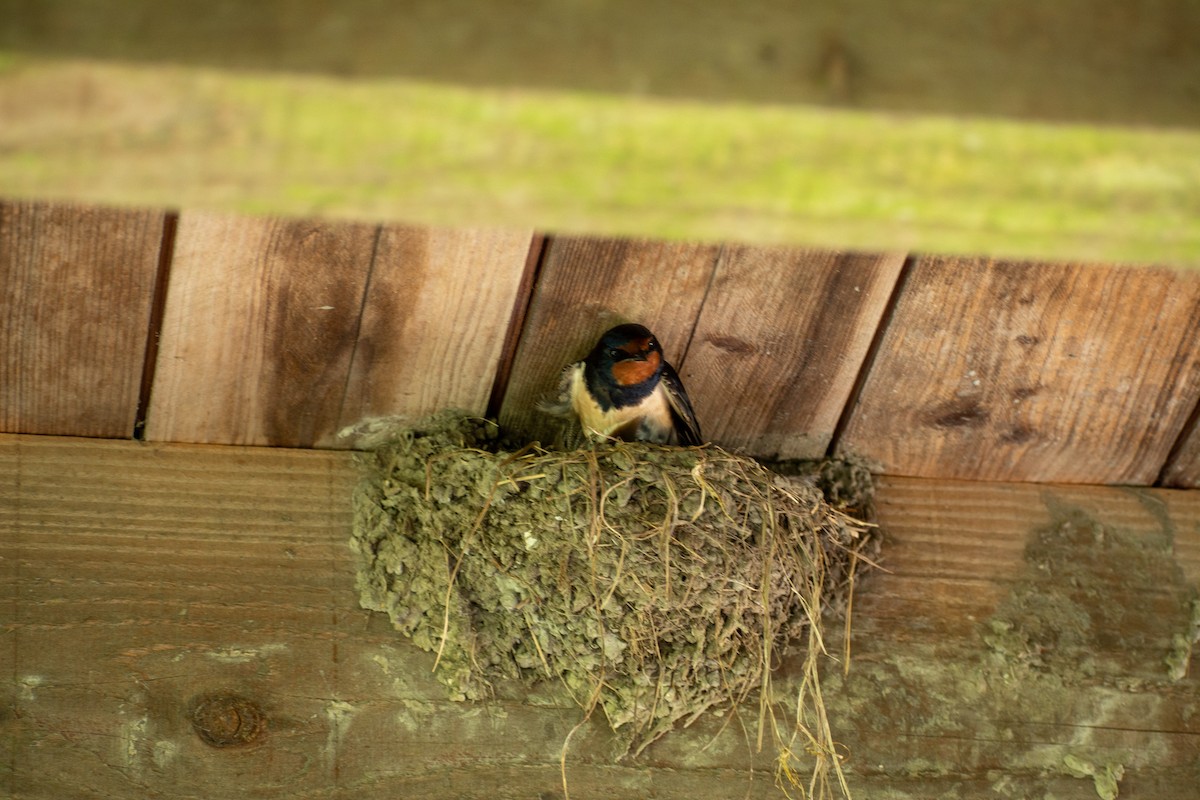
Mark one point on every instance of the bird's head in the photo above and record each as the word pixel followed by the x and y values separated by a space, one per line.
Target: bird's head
pixel 628 353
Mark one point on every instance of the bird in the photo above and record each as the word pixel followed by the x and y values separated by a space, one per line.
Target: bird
pixel 625 389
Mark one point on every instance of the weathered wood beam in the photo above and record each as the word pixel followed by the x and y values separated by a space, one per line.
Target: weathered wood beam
pixel 1099 61
pixel 181 620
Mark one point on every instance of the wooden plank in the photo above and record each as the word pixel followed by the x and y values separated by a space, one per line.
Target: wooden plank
pixel 955 632
pixel 780 342
pixel 1032 372
pixel 180 578
pixel 10 605
pixel 242 539
pixel 260 325
pixel 434 322
pixel 976 532
pixel 588 285
pixel 76 290
pixel 1077 59
pixel 436 154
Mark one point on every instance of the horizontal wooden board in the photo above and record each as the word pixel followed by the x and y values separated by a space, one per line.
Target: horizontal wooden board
pixel 1073 60
pixel 1039 372
pixel 76 290
pixel 436 154
pixel 977 574
pixel 182 620
pixel 780 342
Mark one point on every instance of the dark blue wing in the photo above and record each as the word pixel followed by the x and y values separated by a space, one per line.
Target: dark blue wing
pixel 687 429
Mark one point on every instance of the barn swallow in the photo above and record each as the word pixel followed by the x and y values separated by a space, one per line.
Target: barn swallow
pixel 625 389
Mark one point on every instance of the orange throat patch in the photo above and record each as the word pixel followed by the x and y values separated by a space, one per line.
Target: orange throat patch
pixel 629 373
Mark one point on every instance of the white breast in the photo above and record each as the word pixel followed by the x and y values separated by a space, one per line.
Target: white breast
pixel 652 415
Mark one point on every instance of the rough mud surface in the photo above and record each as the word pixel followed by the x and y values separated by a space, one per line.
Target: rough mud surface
pixel 653 583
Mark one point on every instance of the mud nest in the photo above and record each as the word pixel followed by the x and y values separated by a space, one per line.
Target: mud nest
pixel 654 583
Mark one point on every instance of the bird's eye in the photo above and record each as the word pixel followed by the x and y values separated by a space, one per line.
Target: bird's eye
pixel 614 353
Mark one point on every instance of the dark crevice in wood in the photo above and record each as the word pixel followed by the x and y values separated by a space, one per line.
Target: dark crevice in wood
pixel 158 303
pixel 712 277
pixel 362 310
pixel 539 245
pixel 1185 434
pixel 868 362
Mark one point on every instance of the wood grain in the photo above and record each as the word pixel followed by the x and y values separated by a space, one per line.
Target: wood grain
pixel 435 319
pixel 588 285
pixel 956 548
pixel 1032 372
pixel 76 289
pixel 144 581
pixel 780 342
pixel 965 562
pixel 259 330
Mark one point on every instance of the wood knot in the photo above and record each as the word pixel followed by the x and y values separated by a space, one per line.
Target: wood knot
pixel 732 344
pixel 960 413
pixel 226 720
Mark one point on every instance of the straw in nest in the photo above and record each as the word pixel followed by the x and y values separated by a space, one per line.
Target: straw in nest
pixel 655 583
